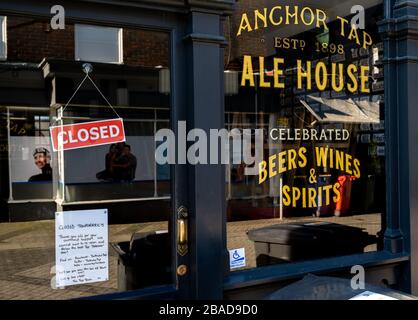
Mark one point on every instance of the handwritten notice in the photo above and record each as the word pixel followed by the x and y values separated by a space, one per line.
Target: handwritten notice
pixel 81 247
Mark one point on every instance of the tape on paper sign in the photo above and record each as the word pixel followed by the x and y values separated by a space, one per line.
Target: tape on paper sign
pixel 237 258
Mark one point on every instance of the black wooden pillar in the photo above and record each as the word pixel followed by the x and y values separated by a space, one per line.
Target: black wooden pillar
pixel 204 42
pixel 400 34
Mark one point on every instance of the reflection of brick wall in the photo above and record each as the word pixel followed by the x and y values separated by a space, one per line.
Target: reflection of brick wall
pixel 145 48
pixel 30 40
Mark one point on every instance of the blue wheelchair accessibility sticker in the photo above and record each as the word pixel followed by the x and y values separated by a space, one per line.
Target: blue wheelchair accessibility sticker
pixel 237 258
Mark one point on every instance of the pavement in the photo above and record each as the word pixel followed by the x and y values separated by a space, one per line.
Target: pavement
pixel 27 254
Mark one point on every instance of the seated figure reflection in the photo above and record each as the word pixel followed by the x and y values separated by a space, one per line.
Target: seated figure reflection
pixel 120 164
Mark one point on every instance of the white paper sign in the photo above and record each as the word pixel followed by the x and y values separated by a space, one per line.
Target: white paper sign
pixel 81 247
pixel 237 258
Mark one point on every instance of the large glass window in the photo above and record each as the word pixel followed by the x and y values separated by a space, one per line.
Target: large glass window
pixel 309 77
pixel 46 195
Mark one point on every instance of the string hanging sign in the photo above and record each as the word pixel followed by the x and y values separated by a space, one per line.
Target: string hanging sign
pixel 87 134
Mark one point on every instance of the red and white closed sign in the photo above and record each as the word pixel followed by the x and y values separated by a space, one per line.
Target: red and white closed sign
pixel 87 134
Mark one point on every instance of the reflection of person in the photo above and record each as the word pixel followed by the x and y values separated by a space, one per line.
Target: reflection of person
pixel 42 158
pixel 106 174
pixel 120 164
pixel 110 158
pixel 131 163
pixel 125 165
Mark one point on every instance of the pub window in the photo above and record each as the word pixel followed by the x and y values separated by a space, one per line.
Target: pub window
pixel 38 80
pixel 98 44
pixel 318 188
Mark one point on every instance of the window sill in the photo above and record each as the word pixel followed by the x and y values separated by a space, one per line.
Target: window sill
pixel 274 273
pixel 88 202
pixel 29 201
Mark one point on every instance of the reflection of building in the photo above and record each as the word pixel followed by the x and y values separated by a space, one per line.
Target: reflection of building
pixel 34 85
pixel 40 75
pixel 132 69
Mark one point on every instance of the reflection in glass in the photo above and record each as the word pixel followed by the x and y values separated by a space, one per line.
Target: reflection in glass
pixel 37 79
pixel 294 79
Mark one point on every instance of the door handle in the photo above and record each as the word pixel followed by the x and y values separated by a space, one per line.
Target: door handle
pixel 182 231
